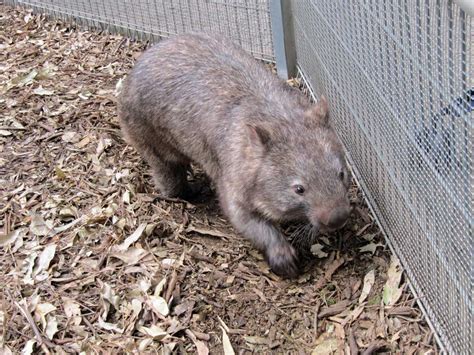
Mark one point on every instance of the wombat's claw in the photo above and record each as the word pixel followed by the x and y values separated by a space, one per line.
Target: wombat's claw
pixel 283 261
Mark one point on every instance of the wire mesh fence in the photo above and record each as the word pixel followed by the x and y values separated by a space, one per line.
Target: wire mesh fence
pixel 245 21
pixel 399 77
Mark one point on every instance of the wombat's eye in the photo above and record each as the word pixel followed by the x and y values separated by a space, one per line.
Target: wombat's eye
pixel 299 189
pixel 341 175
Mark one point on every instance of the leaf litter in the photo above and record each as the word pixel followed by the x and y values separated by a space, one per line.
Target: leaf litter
pixel 92 260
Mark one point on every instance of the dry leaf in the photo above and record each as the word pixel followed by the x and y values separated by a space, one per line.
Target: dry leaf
pixel 159 287
pixel 317 250
pixel 369 280
pixel 70 137
pixel 126 197
pixel 154 331
pixel 159 305
pixel 41 272
pixel 28 348
pixel 109 326
pixel 51 327
pixel 28 265
pixel 5 133
pixel 256 340
pixel 201 347
pixel 42 309
pixel 391 291
pixel 206 231
pixel 371 247
pixel 38 226
pixel 7 239
pixel 228 350
pixel 109 295
pixel 42 91
pixel 5 350
pixel 131 256
pixel 131 239
pixel 327 345
pixel 72 309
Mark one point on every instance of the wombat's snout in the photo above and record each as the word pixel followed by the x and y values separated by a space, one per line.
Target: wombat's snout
pixel 332 218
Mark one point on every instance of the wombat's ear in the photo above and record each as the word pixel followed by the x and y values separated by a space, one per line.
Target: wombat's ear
pixel 318 113
pixel 258 136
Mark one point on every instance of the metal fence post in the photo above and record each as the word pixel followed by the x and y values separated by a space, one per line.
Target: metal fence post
pixel 283 38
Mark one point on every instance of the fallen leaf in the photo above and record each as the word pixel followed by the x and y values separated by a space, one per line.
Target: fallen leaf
pixel 38 226
pixel 29 264
pixel 42 309
pixel 83 142
pixel 42 91
pixel 5 350
pixel 333 267
pixel 108 294
pixel 126 197
pixel 60 174
pixel 103 145
pixel 334 309
pixel 206 231
pixel 317 250
pixel 145 343
pixel 159 305
pixel 72 309
pixel 131 239
pixel 154 331
pixel 159 287
pixel 201 347
pixel 70 137
pixel 369 280
pixel 7 239
pixel 391 291
pixel 228 350
pixel 28 348
pixel 144 285
pixel 355 313
pixel 326 345
pixel 256 340
pixel 109 326
pixel 131 256
pixel 5 133
pixel 51 327
pixel 40 273
pixel 371 247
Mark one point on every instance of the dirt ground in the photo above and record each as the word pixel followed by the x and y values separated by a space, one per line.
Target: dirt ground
pixel 92 260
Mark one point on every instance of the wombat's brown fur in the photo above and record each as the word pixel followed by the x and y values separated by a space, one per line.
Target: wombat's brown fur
pixel 270 152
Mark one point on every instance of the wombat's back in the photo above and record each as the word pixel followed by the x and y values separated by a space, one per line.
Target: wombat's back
pixel 184 92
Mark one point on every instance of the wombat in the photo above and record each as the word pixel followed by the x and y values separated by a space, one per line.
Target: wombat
pixel 271 153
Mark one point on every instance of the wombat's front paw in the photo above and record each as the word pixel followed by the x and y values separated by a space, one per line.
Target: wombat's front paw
pixel 283 261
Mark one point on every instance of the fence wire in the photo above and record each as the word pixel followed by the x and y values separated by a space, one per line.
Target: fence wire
pixel 245 21
pixel 399 78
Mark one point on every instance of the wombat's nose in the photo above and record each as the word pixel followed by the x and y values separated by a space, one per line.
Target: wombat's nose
pixel 338 217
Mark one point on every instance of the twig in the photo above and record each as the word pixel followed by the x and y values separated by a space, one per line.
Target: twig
pixel 315 321
pixel 13 128
pixel 171 285
pixel 376 345
pixel 352 343
pixel 168 199
pixel 43 342
pixel 91 327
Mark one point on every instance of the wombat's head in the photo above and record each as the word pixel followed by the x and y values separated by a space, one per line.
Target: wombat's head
pixel 302 172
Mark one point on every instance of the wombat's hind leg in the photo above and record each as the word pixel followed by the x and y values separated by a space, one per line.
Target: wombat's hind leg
pixel 170 177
